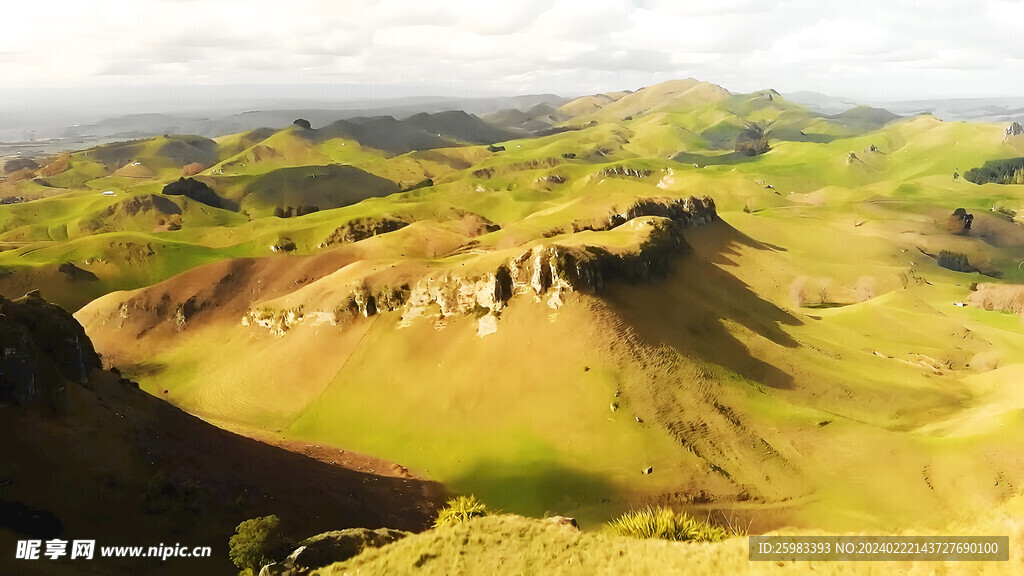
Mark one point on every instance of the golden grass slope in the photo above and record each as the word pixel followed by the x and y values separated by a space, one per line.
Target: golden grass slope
pixel 674 94
pixel 510 544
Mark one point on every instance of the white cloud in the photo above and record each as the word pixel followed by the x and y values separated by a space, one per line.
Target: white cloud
pixel 902 48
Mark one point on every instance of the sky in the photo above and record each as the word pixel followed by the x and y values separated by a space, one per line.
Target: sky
pixel 883 51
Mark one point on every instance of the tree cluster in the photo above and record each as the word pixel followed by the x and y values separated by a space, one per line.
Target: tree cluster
pixel 1009 171
pixel 290 211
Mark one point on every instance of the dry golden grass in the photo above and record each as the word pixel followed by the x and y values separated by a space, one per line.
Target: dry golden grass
pixel 999 297
pixel 510 544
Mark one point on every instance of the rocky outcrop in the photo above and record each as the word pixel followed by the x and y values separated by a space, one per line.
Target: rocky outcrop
pixel 753 140
pixel 185 311
pixel 626 172
pixel 330 547
pixel 547 272
pixel 564 521
pixel 366 302
pixel 41 346
pixel 275 320
pixel 362 228
pixel 684 212
pixel 1014 129
pixel 283 245
pixel 517 167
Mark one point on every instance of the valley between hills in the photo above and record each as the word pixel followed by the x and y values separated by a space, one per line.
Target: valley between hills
pixel 724 303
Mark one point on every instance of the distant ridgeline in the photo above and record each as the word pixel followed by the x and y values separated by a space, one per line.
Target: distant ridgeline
pixel 1010 171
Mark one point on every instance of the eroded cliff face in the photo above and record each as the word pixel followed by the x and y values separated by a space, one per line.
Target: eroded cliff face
pixel 547 272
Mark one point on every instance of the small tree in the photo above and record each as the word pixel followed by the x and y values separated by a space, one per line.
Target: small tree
pixel 256 543
pixel 823 295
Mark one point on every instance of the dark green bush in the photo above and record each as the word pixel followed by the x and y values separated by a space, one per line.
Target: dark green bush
pixel 257 542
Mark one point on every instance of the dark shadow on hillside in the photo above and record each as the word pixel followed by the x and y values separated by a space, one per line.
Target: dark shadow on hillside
pixel 535 489
pixel 75 273
pixel 689 310
pixel 722 240
pixel 127 469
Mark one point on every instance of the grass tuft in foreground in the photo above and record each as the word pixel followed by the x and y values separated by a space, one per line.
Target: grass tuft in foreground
pixel 666 524
pixel 459 510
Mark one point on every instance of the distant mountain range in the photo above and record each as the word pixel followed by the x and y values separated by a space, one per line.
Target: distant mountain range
pixel 34 131
pixel 970 109
pixel 21 133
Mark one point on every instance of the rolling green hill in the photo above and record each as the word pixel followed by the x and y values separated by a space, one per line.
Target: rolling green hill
pixel 721 302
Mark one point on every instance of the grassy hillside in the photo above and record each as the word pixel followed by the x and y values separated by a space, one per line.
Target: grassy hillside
pixel 544 323
pixel 104 213
pixel 323 187
pixel 515 545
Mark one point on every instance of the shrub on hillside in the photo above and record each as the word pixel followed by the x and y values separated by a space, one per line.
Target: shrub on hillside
pixel 664 523
pixel 954 261
pixel 459 510
pixel 289 211
pixel 256 543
